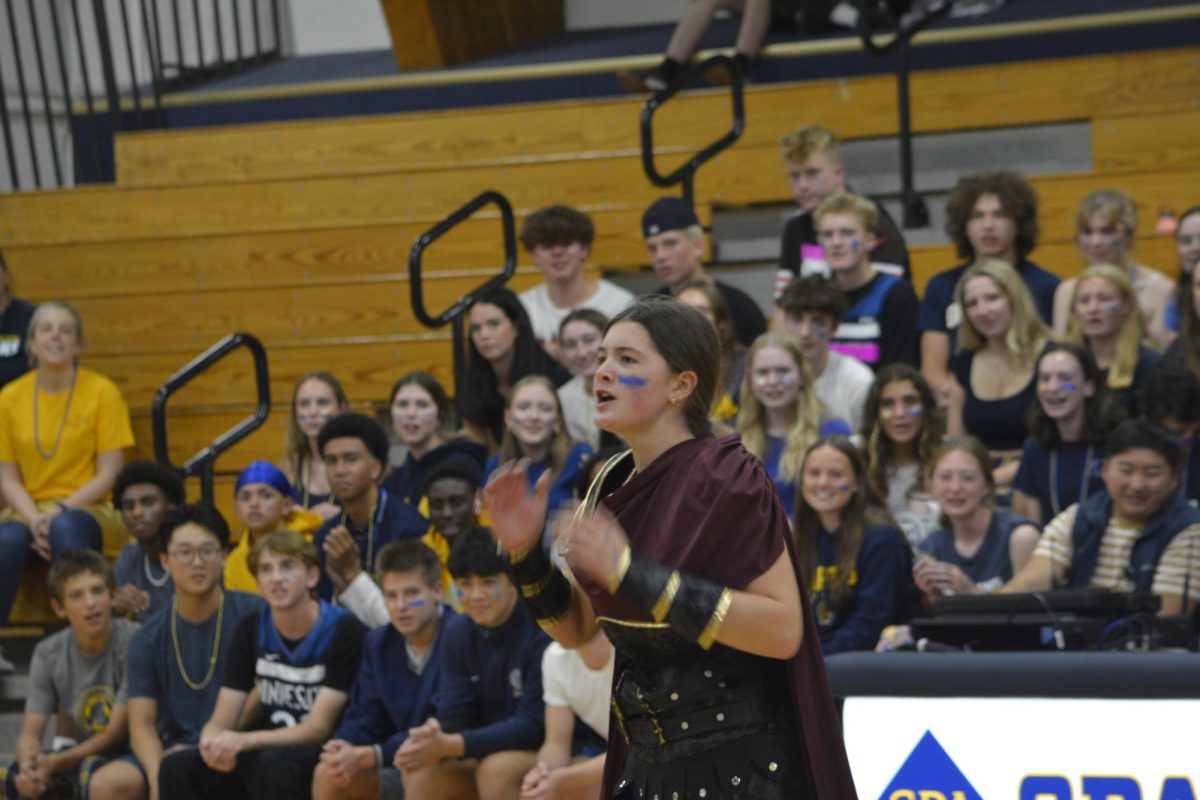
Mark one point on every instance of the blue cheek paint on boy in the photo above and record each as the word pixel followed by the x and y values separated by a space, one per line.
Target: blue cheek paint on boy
pixel 631 380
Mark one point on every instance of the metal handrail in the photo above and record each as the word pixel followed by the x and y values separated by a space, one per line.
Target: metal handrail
pixel 202 463
pixel 686 173
pixel 454 313
pixel 88 69
pixel 870 19
pixel 916 212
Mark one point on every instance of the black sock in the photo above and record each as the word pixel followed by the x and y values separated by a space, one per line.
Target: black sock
pixel 670 68
pixel 743 61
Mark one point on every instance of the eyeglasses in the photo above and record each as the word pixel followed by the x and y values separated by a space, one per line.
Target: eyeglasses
pixel 187 555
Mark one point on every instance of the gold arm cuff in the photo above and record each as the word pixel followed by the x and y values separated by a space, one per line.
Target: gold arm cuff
pixel 546 623
pixel 532 590
pixel 633 623
pixel 618 574
pixel 709 634
pixel 663 605
pixel 518 555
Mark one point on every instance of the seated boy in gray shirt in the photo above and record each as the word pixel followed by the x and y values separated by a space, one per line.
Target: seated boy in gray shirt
pixel 77 675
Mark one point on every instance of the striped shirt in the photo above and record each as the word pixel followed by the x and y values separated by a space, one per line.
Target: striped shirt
pixel 1181 556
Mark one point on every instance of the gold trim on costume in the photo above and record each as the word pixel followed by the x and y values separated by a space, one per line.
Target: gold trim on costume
pixel 521 553
pixel 550 622
pixel 617 575
pixel 632 624
pixel 663 605
pixel 532 590
pixel 709 634
pixel 592 498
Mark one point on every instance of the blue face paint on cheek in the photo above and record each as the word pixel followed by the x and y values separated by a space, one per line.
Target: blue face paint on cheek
pixel 415 603
pixel 631 380
pixel 916 411
pixel 854 245
pixel 1070 387
pixel 497 594
pixel 845 487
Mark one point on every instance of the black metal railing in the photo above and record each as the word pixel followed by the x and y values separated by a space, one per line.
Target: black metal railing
pixel 203 463
pixel 874 16
pixel 75 72
pixel 453 315
pixel 685 174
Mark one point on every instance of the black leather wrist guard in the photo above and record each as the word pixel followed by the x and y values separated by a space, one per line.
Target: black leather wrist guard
pixel 694 607
pixel 546 591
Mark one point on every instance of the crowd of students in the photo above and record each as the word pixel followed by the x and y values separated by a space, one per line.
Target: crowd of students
pixel 359 636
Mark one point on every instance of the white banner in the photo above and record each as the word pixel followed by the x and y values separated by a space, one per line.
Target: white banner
pixel 933 748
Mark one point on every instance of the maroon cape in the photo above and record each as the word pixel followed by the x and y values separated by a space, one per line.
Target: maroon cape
pixel 707 506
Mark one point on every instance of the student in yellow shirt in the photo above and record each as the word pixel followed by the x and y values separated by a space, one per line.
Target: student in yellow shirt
pixel 265 504
pixel 453 491
pixel 64 430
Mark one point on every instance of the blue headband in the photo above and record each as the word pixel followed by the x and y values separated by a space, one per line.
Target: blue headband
pixel 264 472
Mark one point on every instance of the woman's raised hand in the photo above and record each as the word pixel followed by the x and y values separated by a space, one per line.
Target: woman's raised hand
pixel 517 515
pixel 592 543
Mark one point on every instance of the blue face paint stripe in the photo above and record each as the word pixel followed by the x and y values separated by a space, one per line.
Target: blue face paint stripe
pixel 631 380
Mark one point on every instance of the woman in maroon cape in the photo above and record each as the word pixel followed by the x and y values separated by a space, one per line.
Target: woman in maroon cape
pixel 683 554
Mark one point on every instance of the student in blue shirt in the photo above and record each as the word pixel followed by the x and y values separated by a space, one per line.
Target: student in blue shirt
pixel 287 680
pixel 534 429
pixel 780 415
pixel 177 657
pixel 1074 412
pixel 856 564
pixel 981 546
pixel 490 714
pixel 355 450
pixel 990 214
pixel 394 690
pixel 1104 318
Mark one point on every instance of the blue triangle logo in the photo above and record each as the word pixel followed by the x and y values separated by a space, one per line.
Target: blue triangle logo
pixel 930 772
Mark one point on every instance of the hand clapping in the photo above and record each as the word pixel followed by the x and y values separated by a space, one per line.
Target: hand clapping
pixel 591 542
pixel 517 515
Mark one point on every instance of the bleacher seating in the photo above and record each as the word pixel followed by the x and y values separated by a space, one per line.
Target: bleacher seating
pixel 299 232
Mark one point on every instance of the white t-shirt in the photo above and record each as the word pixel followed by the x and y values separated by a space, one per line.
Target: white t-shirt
pixel 579 412
pixel 843 388
pixel 567 681
pixel 918 515
pixel 609 299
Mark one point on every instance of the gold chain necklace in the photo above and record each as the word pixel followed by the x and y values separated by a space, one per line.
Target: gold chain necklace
pixel 212 662
pixel 62 423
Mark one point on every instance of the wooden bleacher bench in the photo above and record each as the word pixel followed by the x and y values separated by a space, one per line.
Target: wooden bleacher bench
pixel 1023 93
